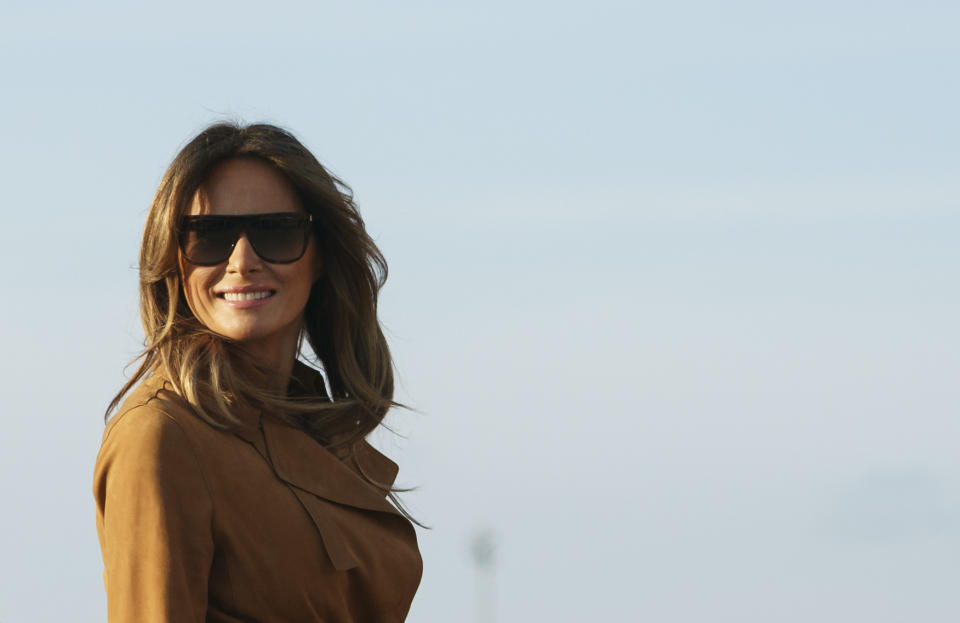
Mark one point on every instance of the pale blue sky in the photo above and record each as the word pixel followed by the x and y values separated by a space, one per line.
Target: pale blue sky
pixel 673 287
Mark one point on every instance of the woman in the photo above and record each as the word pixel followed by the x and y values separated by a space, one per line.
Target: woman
pixel 232 485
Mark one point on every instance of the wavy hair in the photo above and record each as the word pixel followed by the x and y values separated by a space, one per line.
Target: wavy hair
pixel 340 323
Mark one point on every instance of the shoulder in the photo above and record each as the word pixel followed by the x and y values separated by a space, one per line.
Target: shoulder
pixel 153 421
pixel 153 446
pixel 150 471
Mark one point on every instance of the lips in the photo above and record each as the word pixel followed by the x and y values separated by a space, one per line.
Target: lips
pixel 246 296
pixel 240 294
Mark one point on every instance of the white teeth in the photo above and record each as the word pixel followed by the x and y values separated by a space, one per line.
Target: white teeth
pixel 246 296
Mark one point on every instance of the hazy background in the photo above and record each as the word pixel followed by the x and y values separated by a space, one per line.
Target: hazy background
pixel 673 285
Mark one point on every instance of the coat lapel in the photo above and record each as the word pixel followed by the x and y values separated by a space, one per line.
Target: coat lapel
pixel 300 461
pixel 314 474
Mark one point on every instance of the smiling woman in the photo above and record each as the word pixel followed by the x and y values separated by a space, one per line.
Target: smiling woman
pixel 231 484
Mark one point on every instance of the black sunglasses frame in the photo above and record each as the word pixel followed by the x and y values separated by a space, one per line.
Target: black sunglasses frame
pixel 242 224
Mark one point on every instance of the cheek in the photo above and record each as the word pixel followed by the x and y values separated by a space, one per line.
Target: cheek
pixel 300 279
pixel 312 267
pixel 195 280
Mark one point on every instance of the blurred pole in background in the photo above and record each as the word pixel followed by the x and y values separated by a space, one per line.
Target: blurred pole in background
pixel 483 548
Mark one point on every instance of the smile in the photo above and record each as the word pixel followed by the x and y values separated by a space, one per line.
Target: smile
pixel 246 296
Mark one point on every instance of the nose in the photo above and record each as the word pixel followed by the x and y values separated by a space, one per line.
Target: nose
pixel 243 259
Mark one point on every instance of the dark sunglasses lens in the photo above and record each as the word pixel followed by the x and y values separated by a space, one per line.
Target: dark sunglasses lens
pixel 279 239
pixel 208 242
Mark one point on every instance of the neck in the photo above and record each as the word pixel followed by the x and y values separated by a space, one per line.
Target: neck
pixel 276 355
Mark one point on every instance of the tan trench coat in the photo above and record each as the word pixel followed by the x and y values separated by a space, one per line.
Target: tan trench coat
pixel 197 524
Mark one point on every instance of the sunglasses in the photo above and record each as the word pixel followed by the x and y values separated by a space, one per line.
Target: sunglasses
pixel 277 237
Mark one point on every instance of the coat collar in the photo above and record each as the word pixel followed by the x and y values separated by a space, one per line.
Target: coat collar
pixel 299 460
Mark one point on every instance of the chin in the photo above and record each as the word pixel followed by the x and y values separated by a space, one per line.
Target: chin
pixel 243 334
pixel 262 333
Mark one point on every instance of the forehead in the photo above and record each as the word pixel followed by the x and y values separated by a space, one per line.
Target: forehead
pixel 244 186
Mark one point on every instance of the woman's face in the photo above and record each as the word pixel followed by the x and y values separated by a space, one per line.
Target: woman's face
pixel 222 296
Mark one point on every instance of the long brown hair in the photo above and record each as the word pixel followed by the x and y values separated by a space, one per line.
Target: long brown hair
pixel 340 320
